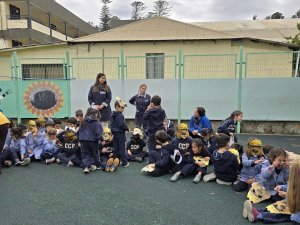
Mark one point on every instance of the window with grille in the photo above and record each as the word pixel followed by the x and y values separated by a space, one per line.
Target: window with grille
pixel 155 65
pixel 43 71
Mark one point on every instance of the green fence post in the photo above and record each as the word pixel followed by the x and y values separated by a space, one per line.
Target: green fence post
pixel 240 84
pixel 122 73
pixel 180 65
pixel 16 77
pixel 68 80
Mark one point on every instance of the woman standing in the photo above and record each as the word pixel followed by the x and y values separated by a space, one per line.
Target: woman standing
pixel 100 97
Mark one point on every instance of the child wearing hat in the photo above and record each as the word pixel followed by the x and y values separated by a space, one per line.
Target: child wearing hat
pixel 135 146
pixel 118 129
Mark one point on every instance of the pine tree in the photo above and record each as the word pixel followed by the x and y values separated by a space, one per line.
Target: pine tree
pixel 105 16
pixel 137 11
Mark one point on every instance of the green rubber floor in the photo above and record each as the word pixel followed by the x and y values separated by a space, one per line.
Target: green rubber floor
pixel 52 194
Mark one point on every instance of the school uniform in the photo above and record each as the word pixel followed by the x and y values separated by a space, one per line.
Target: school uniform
pixel 89 135
pixel 270 177
pixel 191 168
pixel 137 149
pixel 203 122
pixel 14 150
pixel 155 119
pixel 170 129
pixel 118 128
pixel 226 167
pixel 184 145
pixel 101 98
pixel 141 102
pixel 49 149
pixel 104 156
pixel 209 144
pixel 161 159
pixel 250 170
pixel 69 151
pixel 35 144
pixel 227 127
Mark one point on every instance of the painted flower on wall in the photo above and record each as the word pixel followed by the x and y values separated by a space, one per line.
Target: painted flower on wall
pixel 43 98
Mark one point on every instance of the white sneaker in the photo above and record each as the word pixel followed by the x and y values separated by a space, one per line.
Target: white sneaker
pixel 86 170
pixel 197 178
pixel 25 162
pixel 209 177
pixel 223 182
pixel 49 161
pixel 58 161
pixel 174 177
pixel 70 163
pixel 93 168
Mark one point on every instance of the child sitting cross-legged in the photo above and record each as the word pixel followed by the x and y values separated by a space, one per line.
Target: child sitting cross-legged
pixel 159 159
pixel 135 146
pixel 225 163
pixel 197 162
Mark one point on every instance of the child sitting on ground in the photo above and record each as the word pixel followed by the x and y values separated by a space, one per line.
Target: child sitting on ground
pixel 109 162
pixel 135 146
pixel 282 211
pixel 252 163
pixel 57 126
pixel 72 124
pixel 197 162
pixel 208 139
pixel 159 159
pixel 49 147
pixel 225 163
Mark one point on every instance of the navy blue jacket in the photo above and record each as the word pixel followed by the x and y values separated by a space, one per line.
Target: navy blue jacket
pixel 155 118
pixel 101 98
pixel 164 160
pixel 91 130
pixel 141 102
pixel 210 144
pixel 228 126
pixel 170 128
pixel 117 123
pixel 226 166
pixel 183 145
pixel 136 147
pixel 110 149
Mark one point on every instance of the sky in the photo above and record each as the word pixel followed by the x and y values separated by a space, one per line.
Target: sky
pixel 189 10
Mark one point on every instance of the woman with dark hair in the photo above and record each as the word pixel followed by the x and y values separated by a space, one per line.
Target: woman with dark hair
pixel 198 121
pixel 100 97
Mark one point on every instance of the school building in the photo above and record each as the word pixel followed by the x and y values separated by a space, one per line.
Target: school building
pixel 187 64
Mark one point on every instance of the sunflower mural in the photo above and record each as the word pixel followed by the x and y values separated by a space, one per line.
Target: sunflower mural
pixel 43 98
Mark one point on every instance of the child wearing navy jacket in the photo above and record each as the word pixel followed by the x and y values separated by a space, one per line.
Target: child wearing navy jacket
pixel 159 159
pixel 206 135
pixel 225 163
pixel 141 101
pixel 197 162
pixel 228 126
pixel 118 129
pixel 135 146
pixel 89 134
pixel 154 116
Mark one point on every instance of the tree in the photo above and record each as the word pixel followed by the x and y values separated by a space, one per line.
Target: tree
pixel 105 16
pixel 296 39
pixel 254 17
pixel 161 8
pixel 276 15
pixel 296 15
pixel 93 25
pixel 137 11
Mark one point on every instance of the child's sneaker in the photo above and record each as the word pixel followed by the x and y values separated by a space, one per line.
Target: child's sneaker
pixel 93 168
pixel 109 164
pixel 49 161
pixel 209 177
pixel 114 165
pixel 249 211
pixel 86 170
pixel 70 163
pixel 17 163
pixel 174 177
pixel 223 182
pixel 58 161
pixel 197 178
pixel 25 162
pixel 126 165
